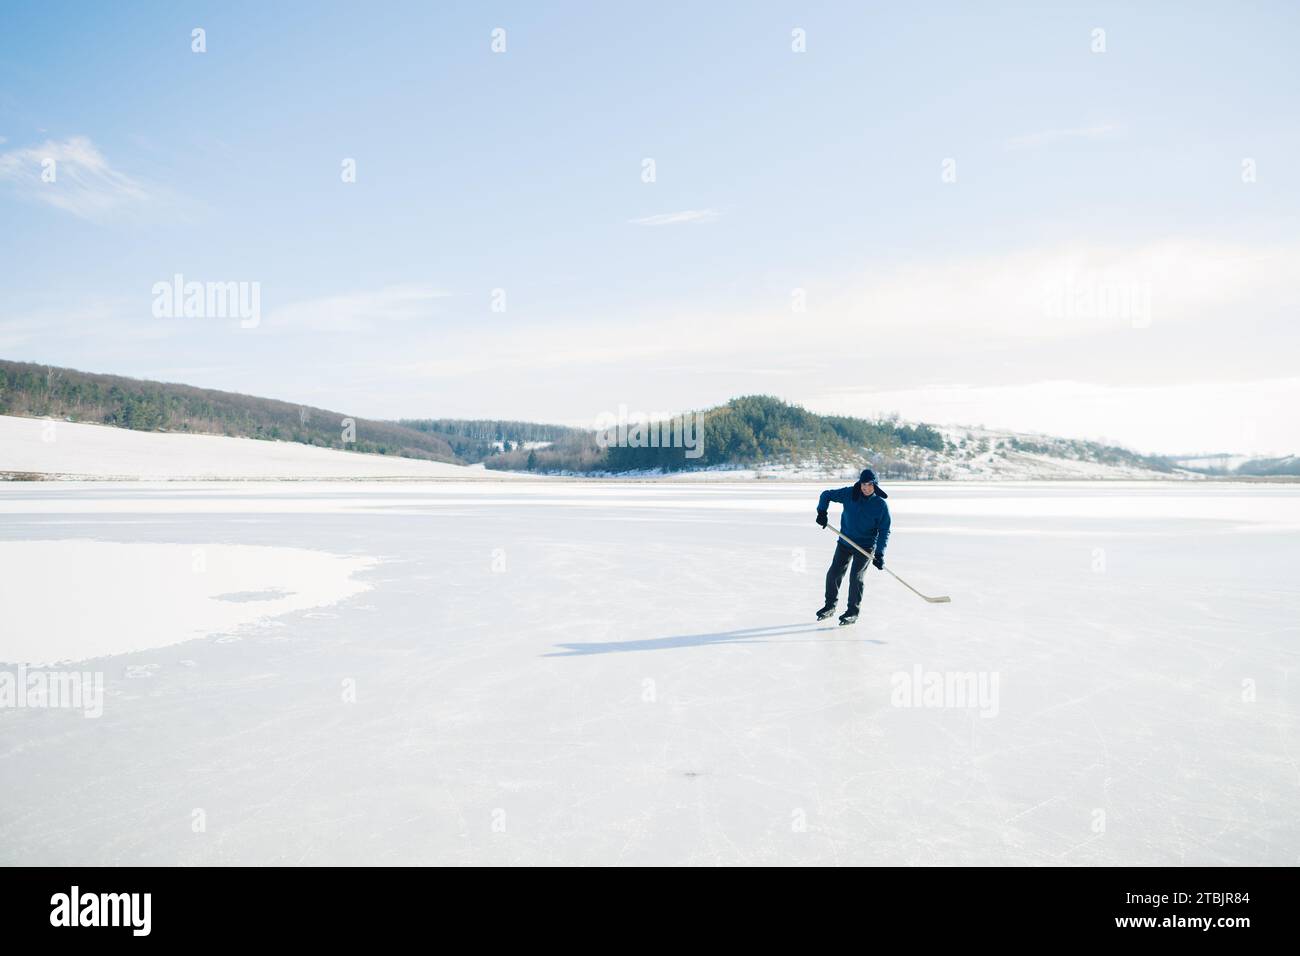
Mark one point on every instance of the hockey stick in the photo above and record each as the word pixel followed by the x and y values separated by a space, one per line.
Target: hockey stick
pixel 933 600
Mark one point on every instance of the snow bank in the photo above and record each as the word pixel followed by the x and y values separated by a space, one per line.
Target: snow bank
pixel 67 449
pixel 78 599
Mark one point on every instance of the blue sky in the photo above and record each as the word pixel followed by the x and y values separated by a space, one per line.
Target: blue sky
pixel 1098 268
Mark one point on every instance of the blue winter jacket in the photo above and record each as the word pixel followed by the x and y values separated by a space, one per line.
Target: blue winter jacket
pixel 865 520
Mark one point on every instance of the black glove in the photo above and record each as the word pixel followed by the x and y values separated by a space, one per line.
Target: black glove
pixel 879 561
pixel 821 518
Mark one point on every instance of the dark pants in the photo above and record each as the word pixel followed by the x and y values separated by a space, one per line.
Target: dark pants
pixel 843 555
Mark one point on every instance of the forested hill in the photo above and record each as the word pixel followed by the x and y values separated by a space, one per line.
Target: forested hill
pixel 752 430
pixel 39 390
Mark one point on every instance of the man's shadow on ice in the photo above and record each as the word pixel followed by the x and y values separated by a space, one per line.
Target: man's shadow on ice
pixel 751 635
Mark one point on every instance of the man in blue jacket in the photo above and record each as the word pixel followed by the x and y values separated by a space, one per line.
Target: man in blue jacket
pixel 865 521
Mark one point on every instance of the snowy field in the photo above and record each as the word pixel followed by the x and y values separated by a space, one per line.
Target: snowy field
pixel 604 672
pixel 59 449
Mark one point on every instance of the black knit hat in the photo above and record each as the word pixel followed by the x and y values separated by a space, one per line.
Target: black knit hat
pixel 870 476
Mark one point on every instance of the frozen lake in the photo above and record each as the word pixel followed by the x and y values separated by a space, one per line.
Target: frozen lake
pixel 597 673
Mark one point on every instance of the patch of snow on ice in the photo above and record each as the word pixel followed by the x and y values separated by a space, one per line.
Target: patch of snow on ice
pixel 77 599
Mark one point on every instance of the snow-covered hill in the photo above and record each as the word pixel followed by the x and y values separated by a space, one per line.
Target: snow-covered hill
pixel 1287 466
pixel 1213 464
pixel 982 453
pixel 60 449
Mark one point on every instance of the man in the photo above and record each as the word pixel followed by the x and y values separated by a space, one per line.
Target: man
pixel 865 521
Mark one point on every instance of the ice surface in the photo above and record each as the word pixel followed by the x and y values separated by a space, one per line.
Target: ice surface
pixel 617 672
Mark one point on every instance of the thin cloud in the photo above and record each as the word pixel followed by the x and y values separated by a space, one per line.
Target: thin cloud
pixel 84 183
pixel 677 218
pixel 102 319
pixel 1049 136
pixel 358 311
